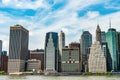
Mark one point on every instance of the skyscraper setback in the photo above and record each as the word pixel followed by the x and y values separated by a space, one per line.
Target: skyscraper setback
pixel 18 48
pixel 51 52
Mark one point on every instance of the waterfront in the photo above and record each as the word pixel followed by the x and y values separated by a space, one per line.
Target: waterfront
pixel 36 77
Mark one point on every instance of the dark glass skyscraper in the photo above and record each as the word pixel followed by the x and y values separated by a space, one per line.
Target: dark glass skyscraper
pixel 51 52
pixel 118 46
pixel 18 48
pixel 111 39
pixel 86 42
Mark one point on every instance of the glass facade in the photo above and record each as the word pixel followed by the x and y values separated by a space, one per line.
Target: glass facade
pixel 111 39
pixel 85 42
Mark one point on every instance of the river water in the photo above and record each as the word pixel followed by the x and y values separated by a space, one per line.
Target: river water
pixel 36 77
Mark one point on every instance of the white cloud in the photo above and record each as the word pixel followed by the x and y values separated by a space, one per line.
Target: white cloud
pixel 24 4
pixel 5 1
pixel 66 20
pixel 92 14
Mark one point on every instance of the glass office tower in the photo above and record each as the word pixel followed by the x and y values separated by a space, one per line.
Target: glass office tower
pixel 111 39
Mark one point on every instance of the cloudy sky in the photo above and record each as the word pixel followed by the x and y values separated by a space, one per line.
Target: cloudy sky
pixel 71 16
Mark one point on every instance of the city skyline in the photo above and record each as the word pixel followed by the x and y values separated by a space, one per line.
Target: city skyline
pixel 42 16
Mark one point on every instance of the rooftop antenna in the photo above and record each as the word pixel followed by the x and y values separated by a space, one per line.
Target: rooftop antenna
pixel 97 21
pixel 109 23
pixel 82 30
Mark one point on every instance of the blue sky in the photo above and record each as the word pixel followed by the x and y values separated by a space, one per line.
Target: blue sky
pixel 71 16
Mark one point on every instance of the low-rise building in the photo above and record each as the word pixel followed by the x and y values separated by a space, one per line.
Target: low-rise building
pixel 34 64
pixel 39 55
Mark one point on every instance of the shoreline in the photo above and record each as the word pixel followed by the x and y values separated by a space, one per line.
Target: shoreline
pixel 70 74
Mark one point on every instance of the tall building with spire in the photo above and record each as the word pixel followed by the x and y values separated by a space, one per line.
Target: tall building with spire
pixel 118 45
pixel 98 34
pixel 86 42
pixel 51 52
pixel 111 39
pixel 61 42
pixel 18 48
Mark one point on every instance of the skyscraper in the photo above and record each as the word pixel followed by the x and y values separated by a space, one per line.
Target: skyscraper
pixel 61 41
pixel 51 52
pixel 98 34
pixel 18 48
pixel 86 42
pixel 111 39
pixel 0 51
pixel 103 37
pixel 118 46
pixel 61 46
pixel 97 59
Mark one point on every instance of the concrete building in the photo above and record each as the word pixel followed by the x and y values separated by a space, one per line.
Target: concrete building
pixel 61 46
pixel 97 59
pixel 85 43
pixel 18 49
pixel 4 61
pixel 111 39
pixel 71 58
pixel 61 42
pixel 34 64
pixel 38 54
pixel 51 52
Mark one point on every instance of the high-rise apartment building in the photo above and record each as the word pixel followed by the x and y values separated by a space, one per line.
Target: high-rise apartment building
pixel 111 39
pixel 51 52
pixel 18 48
pixel 85 42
